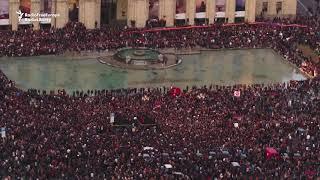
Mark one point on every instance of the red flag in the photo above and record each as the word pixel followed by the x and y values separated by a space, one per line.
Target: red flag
pixel 271 152
pixel 175 91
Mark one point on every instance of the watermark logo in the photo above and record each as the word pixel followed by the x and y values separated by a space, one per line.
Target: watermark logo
pixel 20 15
pixel 36 17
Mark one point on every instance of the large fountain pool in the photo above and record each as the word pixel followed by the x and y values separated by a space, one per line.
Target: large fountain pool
pixel 225 67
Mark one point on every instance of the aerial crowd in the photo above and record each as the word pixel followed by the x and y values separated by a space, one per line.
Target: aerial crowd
pixel 205 132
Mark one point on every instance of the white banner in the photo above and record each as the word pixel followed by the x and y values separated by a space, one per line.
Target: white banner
pixel 240 14
pixel 4 22
pixel 181 16
pixel 4 9
pixel 201 15
pixel 3 132
pixel 111 118
pixel 237 93
pixel 220 14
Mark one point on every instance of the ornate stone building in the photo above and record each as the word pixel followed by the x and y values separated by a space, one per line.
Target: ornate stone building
pixel 94 13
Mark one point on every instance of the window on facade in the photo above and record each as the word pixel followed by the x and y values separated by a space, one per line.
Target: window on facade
pixel 73 10
pixel 220 5
pixel 200 6
pixel 181 6
pixel 25 6
pixel 108 11
pixel 279 7
pixel 153 9
pixel 45 6
pixel 264 6
pixel 240 5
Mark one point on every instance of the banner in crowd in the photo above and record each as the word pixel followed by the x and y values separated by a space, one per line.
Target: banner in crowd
pixel 240 8
pixel 3 132
pixel 237 93
pixel 181 7
pixel 153 9
pixel 111 118
pixel 200 9
pixel 220 8
pixel 4 12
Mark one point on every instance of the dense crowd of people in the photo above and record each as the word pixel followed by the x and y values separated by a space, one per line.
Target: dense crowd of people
pixel 201 133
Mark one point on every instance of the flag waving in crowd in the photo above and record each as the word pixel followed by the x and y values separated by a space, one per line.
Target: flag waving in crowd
pixel 175 91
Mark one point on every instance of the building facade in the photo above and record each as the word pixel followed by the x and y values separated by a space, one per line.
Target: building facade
pixel 94 13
